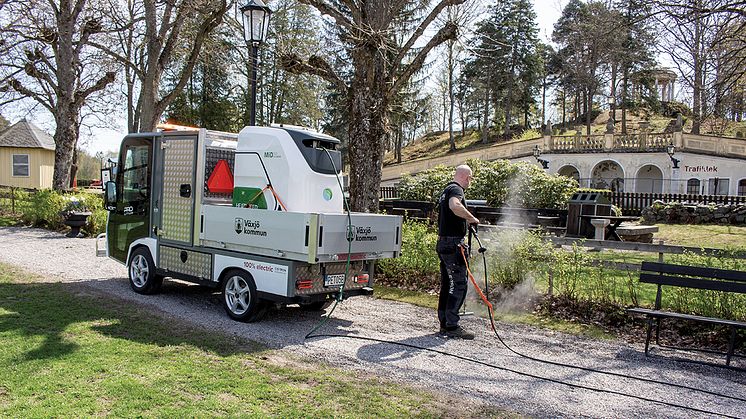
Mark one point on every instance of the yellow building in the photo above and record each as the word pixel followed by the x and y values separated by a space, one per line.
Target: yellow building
pixel 26 156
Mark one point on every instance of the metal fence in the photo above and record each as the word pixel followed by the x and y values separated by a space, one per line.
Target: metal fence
pixel 13 200
pixel 632 203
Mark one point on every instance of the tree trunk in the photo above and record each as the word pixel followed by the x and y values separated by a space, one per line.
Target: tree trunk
pixel 698 79
pixel 624 99
pixel 564 106
pixel 485 125
pixel 65 138
pixel 543 99
pixel 74 168
pixel 367 132
pixel 451 139
pixel 588 110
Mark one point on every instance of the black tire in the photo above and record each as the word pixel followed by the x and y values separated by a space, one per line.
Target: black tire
pixel 142 275
pixel 316 305
pixel 240 299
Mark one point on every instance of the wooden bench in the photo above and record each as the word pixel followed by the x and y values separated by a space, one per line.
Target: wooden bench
pixel 664 274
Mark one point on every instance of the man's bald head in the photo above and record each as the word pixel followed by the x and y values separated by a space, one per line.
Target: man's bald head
pixel 463 176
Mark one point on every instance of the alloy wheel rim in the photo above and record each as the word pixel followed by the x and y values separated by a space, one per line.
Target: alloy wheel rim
pixel 139 271
pixel 237 295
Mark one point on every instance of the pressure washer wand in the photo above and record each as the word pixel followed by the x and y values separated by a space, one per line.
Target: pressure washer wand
pixel 482 250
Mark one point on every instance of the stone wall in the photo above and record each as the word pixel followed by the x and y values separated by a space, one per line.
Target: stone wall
pixel 678 213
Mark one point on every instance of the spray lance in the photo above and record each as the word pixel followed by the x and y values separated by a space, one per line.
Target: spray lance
pixel 481 250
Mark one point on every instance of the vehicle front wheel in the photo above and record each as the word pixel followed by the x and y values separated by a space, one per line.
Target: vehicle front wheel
pixel 240 298
pixel 143 278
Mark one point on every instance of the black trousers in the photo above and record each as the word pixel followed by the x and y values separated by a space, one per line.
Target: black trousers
pixel 452 280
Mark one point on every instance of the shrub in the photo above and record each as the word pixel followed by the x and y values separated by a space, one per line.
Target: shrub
pixel 425 186
pixel 500 182
pixel 44 209
pixel 418 266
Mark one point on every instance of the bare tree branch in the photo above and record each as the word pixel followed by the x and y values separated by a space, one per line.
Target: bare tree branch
pixel 449 31
pixel 421 29
pixel 316 66
pixel 330 11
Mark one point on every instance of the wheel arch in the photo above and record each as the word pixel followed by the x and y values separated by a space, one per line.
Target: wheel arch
pixel 144 242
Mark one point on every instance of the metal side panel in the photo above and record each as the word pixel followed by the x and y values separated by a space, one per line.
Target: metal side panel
pixel 177 214
pixel 186 262
pixel 199 182
pixel 262 232
pixel 374 236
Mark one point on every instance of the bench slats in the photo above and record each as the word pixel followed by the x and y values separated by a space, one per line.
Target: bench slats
pixel 660 313
pixel 667 268
pixel 698 283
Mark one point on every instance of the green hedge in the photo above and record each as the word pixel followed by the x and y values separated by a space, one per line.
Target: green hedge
pixel 45 206
pixel 500 182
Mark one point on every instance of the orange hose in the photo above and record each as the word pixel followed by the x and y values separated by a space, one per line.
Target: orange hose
pixel 479 290
pixel 271 189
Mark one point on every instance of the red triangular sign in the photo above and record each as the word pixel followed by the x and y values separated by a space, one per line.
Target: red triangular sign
pixel 221 179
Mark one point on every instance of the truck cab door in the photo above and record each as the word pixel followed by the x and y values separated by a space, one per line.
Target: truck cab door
pixel 130 220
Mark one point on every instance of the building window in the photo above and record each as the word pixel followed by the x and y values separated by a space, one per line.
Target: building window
pixel 692 186
pixel 718 186
pixel 742 187
pixel 20 165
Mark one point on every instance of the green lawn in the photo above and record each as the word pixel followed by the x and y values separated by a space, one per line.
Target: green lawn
pixel 715 236
pixel 66 354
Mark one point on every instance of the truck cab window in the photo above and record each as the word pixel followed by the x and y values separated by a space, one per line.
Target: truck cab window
pixel 135 178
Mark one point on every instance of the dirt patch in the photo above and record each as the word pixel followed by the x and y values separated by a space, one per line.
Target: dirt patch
pixel 614 319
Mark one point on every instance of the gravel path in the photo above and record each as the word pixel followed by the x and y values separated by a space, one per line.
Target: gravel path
pixel 60 259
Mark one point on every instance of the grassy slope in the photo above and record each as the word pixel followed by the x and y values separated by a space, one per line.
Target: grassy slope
pixel 66 354
pixel 436 144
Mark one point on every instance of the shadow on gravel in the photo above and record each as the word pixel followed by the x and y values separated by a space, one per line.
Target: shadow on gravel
pixel 55 315
pixel 391 352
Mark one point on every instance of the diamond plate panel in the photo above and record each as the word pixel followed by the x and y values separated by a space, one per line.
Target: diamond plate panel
pixel 313 272
pixel 178 163
pixel 197 264
pixel 213 155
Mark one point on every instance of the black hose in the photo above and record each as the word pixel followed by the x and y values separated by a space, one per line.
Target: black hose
pixel 340 294
pixel 587 369
pixel 526 374
pixel 482 250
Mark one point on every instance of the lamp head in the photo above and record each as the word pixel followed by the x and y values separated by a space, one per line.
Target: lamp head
pixel 255 16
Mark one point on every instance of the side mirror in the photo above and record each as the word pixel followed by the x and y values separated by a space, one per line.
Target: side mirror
pixel 110 195
pixel 105 177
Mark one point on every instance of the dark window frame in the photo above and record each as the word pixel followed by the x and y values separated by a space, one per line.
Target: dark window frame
pixel 15 165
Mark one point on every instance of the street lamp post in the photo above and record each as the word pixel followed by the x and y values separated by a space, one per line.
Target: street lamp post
pixel 255 15
pixel 670 149
pixel 537 155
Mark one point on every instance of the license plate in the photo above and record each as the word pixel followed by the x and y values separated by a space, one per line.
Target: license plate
pixel 334 280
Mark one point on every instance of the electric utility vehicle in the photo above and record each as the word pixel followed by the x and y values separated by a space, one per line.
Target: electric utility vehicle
pixel 259 215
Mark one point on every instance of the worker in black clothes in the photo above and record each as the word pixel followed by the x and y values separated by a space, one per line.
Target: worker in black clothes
pixel 453 218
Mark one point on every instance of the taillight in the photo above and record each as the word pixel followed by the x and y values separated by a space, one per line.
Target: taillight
pixel 361 279
pixel 304 284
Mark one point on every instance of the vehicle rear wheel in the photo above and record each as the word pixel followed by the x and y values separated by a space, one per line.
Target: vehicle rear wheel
pixel 316 305
pixel 240 298
pixel 143 279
